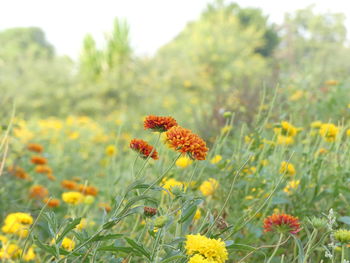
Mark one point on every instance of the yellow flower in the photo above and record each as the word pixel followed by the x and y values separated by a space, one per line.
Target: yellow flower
pixel 217 158
pixel 183 162
pixel 226 129
pixel 68 244
pixel 171 183
pixel 284 140
pixel 287 168
pixel 30 255
pixel 89 199
pixel 12 251
pixel 329 132
pixel 348 132
pixel 73 198
pixel 82 225
pixel 291 186
pixel 286 129
pixel 111 150
pixel 197 215
pixel 213 250
pixel 249 197
pixel 3 240
pixel 264 162
pixel 73 135
pixel 296 95
pixel 316 124
pixel 209 187
pixel 18 224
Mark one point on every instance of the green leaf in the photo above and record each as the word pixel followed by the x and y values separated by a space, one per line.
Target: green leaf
pixel 49 249
pixel 344 219
pixel 107 237
pixel 138 247
pixel 172 258
pixel 68 228
pixel 134 200
pixel 300 248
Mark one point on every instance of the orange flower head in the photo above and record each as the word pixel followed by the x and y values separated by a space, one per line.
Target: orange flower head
pixel 52 202
pixel 70 185
pixel 87 190
pixel 35 147
pixel 39 160
pixel 51 177
pixel 43 169
pixel 143 149
pixel 159 123
pixel 18 172
pixel 282 223
pixel 186 142
pixel 106 207
pixel 38 192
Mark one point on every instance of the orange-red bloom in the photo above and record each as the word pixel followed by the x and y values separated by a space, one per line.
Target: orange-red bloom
pixel 106 207
pixel 39 160
pixel 70 185
pixel 38 192
pixel 35 147
pixel 159 123
pixel 143 148
pixel 52 202
pixel 185 141
pixel 282 223
pixel 19 172
pixel 43 169
pixel 87 190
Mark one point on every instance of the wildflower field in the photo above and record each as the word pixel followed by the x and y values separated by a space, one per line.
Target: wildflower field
pixel 220 148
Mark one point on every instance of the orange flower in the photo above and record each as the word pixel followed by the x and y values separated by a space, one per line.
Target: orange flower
pixel 87 190
pixel 104 206
pixel 159 123
pixel 19 172
pixel 70 185
pixel 35 147
pixel 143 148
pixel 282 223
pixel 51 177
pixel 185 141
pixel 52 202
pixel 38 192
pixel 43 169
pixel 39 160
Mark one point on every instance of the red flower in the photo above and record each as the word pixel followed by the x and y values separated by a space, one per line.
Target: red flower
pixel 143 148
pixel 185 141
pixel 282 223
pixel 159 123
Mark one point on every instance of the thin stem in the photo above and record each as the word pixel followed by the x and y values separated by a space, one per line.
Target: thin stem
pixel 276 248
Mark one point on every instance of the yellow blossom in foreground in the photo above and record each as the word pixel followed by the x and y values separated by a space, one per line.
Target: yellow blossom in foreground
pixel 82 225
pixel 73 198
pixel 183 162
pixel 217 158
pixel 68 244
pixel 209 187
pixel 329 132
pixel 291 186
pixel 287 168
pixel 171 183
pixel 18 224
pixel 30 255
pixel 213 250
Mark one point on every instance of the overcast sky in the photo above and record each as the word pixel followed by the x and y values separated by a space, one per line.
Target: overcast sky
pixel 153 22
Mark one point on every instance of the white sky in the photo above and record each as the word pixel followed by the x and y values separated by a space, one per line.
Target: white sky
pixel 153 22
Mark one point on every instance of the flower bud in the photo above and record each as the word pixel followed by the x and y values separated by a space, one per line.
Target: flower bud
pixel 149 211
pixel 160 221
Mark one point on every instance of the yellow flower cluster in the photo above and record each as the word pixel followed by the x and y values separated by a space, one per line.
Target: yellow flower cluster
pixel 73 198
pixel 285 133
pixel 291 186
pixel 329 132
pixel 209 187
pixel 17 223
pixel 287 168
pixel 205 250
pixel 171 183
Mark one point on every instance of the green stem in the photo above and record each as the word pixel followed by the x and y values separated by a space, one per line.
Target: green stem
pixel 276 248
pixel 342 253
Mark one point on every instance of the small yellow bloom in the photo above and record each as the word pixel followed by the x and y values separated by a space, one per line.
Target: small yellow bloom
pixel 291 186
pixel 316 124
pixel 226 129
pixel 287 168
pixel 217 158
pixel 111 150
pixel 73 198
pixel 296 95
pixel 82 225
pixel 183 162
pixel 209 187
pixel 68 244
pixel 30 255
pixel 197 215
pixel 285 140
pixel 329 132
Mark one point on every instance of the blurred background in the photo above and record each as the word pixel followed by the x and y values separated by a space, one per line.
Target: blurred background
pixel 193 59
